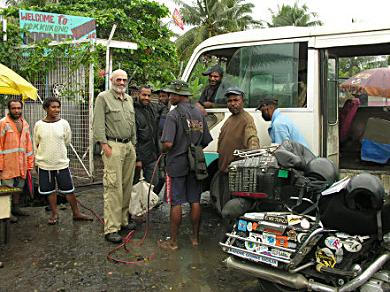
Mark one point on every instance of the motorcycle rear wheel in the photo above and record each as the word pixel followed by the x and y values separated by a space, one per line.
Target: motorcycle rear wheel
pixel 219 191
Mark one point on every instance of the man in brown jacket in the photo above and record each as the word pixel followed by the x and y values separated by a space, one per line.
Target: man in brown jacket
pixel 238 132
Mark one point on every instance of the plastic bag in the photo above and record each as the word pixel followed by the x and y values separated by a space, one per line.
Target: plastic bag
pixel 139 198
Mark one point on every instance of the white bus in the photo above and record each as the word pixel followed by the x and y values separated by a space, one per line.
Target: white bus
pixel 304 67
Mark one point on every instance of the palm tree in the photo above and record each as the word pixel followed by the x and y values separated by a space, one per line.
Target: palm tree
pixel 210 18
pixel 293 15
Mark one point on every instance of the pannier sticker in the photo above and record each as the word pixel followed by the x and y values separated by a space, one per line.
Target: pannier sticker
pixel 261 248
pixel 242 225
pixel 293 219
pixel 249 226
pixel 352 245
pixel 305 224
pixel 253 257
pixel 333 242
pixel 269 238
pixel 325 257
pixel 276 219
pixel 266 252
pixel 281 241
pixel 254 225
pixel 292 244
pixel 280 253
pixel 292 235
pixel 250 245
pixel 272 225
pixel 273 231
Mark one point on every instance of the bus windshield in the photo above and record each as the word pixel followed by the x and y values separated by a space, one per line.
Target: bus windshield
pixel 259 70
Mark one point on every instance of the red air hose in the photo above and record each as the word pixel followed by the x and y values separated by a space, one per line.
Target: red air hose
pixel 127 240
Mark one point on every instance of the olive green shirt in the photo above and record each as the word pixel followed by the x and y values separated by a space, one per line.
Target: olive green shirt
pixel 114 117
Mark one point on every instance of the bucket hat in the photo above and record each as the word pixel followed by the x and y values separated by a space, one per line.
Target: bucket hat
pixel 178 87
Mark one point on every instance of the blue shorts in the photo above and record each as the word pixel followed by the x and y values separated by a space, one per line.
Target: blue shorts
pixel 183 189
pixel 48 179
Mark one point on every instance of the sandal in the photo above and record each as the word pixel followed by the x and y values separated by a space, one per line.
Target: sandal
pixel 167 245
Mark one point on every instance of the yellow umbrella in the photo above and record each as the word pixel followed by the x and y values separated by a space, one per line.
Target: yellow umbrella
pixel 13 83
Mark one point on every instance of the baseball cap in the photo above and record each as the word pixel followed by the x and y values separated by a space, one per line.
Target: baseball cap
pixel 234 91
pixel 265 100
pixel 215 68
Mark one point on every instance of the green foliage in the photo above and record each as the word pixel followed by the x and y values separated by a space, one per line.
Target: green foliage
pixel 293 16
pixel 353 65
pixel 198 82
pixel 210 18
pixel 137 21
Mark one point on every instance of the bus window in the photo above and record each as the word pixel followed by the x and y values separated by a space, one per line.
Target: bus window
pixel 274 69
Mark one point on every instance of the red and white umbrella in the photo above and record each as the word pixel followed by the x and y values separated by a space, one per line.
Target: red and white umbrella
pixel 374 82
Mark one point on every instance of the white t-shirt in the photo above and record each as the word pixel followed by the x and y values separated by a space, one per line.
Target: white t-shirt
pixel 50 141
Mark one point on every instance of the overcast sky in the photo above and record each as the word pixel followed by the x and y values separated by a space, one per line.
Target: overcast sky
pixel 331 12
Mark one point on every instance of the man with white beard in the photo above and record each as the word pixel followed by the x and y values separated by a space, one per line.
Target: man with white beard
pixel 114 128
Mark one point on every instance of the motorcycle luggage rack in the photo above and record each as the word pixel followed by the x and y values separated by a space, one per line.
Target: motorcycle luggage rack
pixel 255 152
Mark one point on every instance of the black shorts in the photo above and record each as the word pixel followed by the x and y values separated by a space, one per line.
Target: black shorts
pixel 48 179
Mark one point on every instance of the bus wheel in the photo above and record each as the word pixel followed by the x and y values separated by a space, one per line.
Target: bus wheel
pixel 219 191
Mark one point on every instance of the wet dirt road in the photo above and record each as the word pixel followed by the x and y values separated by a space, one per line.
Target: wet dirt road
pixel 71 256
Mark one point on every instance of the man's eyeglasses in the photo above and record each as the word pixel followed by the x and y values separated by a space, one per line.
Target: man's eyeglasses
pixel 121 79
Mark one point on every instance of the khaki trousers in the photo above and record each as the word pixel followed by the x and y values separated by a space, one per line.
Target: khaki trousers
pixel 118 182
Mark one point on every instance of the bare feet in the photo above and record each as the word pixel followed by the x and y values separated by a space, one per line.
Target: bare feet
pixel 53 220
pixel 194 241
pixel 82 217
pixel 167 245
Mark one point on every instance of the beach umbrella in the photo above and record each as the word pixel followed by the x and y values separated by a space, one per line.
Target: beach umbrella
pixel 373 82
pixel 13 83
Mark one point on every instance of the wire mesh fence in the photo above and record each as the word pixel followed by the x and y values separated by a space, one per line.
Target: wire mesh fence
pixel 72 87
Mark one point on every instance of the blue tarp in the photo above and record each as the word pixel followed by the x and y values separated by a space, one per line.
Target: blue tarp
pixel 375 152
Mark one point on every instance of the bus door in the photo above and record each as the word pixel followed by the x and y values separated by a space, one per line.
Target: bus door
pixel 329 106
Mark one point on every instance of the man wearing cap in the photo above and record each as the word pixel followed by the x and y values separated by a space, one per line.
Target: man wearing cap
pixel 281 128
pixel 114 128
pixel 207 97
pixel 182 186
pixel 238 132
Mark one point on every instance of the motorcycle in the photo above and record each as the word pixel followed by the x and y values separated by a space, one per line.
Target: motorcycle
pixel 341 244
pixel 288 250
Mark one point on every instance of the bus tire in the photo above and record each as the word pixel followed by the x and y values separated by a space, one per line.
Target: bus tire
pixel 219 191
